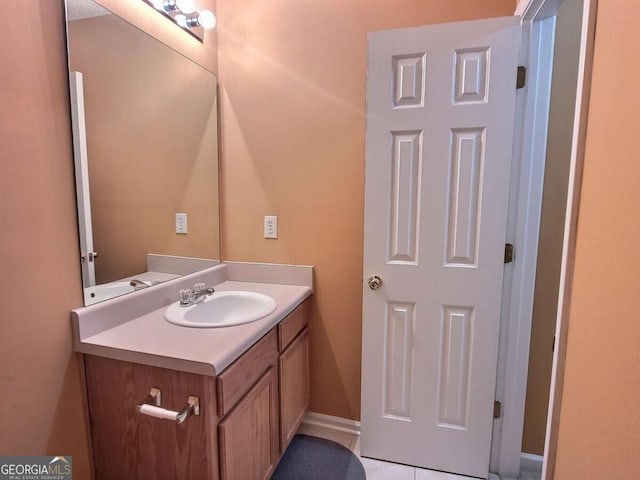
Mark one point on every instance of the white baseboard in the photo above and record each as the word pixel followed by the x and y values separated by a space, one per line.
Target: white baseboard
pixel 330 422
pixel 531 462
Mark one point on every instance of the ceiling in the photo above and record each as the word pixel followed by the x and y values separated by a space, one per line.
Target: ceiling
pixel 79 9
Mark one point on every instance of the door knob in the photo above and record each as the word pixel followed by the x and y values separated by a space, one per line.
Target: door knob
pixel 375 282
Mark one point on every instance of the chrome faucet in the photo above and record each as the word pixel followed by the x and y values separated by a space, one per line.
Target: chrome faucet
pixel 190 297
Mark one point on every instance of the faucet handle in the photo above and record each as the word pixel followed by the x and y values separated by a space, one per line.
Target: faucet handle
pixel 186 294
pixel 202 289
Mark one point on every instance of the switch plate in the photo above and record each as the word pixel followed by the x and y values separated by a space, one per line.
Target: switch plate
pixel 270 226
pixel 181 223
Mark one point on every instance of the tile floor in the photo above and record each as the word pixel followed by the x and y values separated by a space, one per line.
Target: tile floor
pixel 378 470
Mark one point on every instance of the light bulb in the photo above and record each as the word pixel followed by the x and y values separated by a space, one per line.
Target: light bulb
pixel 181 20
pixel 185 6
pixel 207 20
pixel 158 4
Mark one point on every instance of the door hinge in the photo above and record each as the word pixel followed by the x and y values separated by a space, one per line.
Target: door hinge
pixel 521 79
pixel 497 409
pixel 508 253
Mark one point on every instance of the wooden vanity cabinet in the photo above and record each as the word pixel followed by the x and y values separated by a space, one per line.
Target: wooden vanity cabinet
pixel 259 424
pixel 248 413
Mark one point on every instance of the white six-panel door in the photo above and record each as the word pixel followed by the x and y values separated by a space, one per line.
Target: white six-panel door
pixel 440 109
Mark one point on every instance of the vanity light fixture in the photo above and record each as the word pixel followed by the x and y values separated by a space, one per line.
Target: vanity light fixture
pixel 184 6
pixel 185 15
pixel 204 19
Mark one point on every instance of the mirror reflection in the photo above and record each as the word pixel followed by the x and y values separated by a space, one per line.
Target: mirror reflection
pixel 146 149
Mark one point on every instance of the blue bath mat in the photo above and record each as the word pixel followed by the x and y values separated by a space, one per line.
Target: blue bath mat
pixel 312 458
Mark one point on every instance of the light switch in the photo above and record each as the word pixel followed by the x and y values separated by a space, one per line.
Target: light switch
pixel 181 223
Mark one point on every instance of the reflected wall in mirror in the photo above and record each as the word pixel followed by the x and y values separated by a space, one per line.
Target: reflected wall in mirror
pixel 150 118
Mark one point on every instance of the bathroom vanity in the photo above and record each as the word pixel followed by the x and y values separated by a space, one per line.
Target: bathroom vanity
pixel 250 383
pixel 245 387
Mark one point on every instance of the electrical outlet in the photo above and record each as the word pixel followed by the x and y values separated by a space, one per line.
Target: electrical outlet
pixel 270 226
pixel 181 223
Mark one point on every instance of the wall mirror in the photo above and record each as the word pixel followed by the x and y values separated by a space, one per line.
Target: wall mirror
pixel 145 149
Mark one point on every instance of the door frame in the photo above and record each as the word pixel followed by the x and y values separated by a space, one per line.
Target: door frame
pixel 527 181
pixel 81 166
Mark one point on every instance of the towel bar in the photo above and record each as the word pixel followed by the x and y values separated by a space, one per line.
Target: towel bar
pixel 151 406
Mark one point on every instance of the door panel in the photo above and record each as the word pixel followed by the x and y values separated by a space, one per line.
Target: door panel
pixel 440 106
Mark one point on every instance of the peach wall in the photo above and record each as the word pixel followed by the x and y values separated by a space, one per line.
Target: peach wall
pixel 292 78
pixel 600 412
pixel 41 410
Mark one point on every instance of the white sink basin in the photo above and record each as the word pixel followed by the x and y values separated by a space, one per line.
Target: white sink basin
pixel 222 309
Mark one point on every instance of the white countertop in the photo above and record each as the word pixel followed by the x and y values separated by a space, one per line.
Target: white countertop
pixel 149 339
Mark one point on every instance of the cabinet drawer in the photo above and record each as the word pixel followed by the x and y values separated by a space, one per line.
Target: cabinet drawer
pixel 241 375
pixel 293 324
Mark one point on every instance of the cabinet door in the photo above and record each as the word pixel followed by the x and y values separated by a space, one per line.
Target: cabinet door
pixel 248 436
pixel 294 387
pixel 129 445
